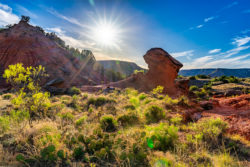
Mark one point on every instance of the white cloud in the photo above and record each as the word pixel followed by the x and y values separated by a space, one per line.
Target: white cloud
pixel 239 41
pixel 235 51
pixel 214 62
pixel 6 15
pixel 230 62
pixel 214 51
pixel 199 26
pixel 209 19
pixel 69 19
pixel 188 53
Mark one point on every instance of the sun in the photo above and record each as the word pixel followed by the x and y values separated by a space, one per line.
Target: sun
pixel 105 34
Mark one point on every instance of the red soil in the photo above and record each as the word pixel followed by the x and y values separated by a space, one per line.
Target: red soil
pixel 234 110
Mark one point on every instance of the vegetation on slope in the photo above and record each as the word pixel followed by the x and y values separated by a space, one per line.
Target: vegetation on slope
pixel 122 128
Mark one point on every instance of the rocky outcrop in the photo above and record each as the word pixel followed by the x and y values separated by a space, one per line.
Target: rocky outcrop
pixel 163 71
pixel 29 45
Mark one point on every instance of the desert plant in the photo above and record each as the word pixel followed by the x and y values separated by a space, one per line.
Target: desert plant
pixel 210 129
pixel 159 89
pixel 7 96
pixel 193 88
pixel 154 114
pixel 129 118
pixel 108 123
pixel 81 120
pixel 161 136
pixel 26 79
pixel 74 91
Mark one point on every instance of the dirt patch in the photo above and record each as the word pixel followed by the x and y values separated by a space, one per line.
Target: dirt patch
pixel 234 110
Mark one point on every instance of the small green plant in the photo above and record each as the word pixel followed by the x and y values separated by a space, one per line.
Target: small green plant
pixel 100 101
pixel 138 71
pixel 74 91
pixel 129 118
pixel 162 136
pixel 66 117
pixel 48 155
pixel 108 123
pixel 7 96
pixel 193 88
pixel 81 120
pixel 142 96
pixel 210 128
pixel 4 124
pixel 154 114
pixel 78 153
pixel 158 90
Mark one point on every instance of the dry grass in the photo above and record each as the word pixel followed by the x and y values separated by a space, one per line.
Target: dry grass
pixel 73 127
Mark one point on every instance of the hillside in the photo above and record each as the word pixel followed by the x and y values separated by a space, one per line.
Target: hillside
pixel 31 46
pixel 123 67
pixel 216 72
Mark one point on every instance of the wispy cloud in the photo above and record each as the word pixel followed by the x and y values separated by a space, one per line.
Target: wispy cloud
pixel 199 26
pixel 69 19
pixel 209 19
pixel 230 5
pixel 240 41
pixel 6 15
pixel 25 11
pixel 187 54
pixel 214 51
pixel 245 31
pixel 246 11
pixel 215 62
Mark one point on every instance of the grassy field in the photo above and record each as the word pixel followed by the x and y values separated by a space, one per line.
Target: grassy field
pixel 122 128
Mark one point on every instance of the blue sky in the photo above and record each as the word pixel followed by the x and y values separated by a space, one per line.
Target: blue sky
pixel 199 33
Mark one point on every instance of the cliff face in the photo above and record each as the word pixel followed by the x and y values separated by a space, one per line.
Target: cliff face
pixel 27 44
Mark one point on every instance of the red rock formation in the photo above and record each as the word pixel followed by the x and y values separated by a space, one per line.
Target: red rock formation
pixel 163 70
pixel 26 44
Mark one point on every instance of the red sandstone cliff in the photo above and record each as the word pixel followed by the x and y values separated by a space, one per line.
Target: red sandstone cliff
pixel 26 44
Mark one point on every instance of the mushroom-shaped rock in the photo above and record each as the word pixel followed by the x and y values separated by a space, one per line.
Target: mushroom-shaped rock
pixel 163 71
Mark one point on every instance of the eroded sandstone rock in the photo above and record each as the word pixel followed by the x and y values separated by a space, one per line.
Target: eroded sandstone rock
pixel 163 71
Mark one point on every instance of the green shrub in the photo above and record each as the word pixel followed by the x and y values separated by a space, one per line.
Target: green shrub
pixel 48 156
pixel 162 136
pixel 78 153
pixel 100 101
pixel 74 91
pixel 7 96
pixel 129 107
pixel 142 96
pixel 193 88
pixel 159 89
pixel 210 129
pixel 129 118
pixel 81 120
pixel 66 117
pixel 192 78
pixel 176 120
pixel 154 114
pixel 108 123
pixel 4 124
pixel 201 76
